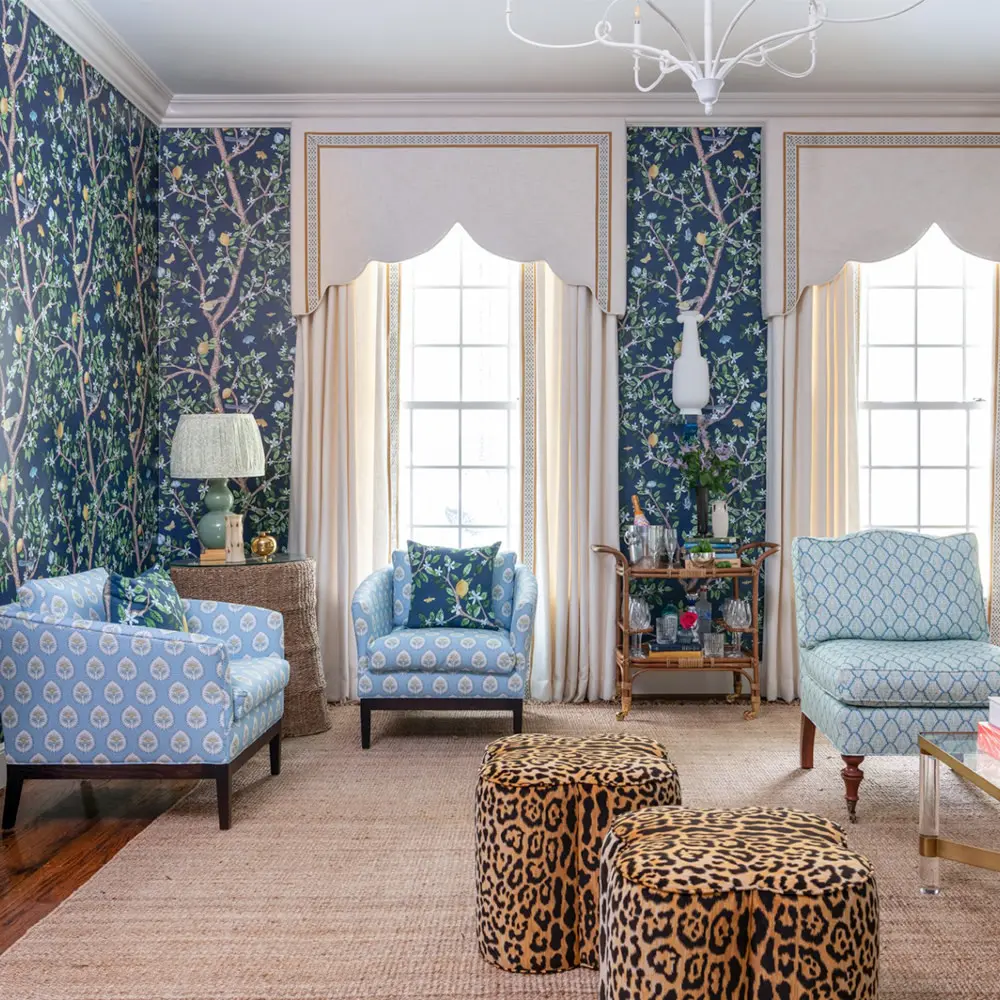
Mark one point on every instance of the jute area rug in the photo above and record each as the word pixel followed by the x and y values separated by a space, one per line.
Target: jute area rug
pixel 351 874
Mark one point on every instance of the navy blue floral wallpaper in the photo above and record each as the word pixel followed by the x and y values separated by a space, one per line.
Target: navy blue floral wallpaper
pixel 227 335
pixel 694 233
pixel 78 379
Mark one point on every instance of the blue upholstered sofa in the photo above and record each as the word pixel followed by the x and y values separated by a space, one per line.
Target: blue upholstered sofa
pixel 82 697
pixel 893 642
pixel 442 668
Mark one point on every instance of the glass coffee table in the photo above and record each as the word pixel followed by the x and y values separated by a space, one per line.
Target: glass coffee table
pixel 957 751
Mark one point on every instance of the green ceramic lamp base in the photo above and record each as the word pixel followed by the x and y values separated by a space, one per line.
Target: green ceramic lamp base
pixel 212 526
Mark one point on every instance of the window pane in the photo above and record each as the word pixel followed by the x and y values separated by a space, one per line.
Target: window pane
pixel 436 536
pixel 435 437
pixel 939 316
pixel 943 437
pixel 487 536
pixel 484 437
pixel 436 315
pixel 894 437
pixel 890 374
pixel 486 316
pixel 890 316
pixel 939 261
pixel 943 496
pixel 484 496
pixel 981 497
pixel 435 496
pixel 979 382
pixel 900 270
pixel 865 486
pixel 980 437
pixel 894 497
pixel 980 324
pixel 435 374
pixel 484 374
pixel 863 452
pixel 980 273
pixel 939 374
pixel 439 266
pixel 480 267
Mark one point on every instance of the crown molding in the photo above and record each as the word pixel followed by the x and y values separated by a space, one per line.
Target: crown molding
pixel 192 110
pixel 79 25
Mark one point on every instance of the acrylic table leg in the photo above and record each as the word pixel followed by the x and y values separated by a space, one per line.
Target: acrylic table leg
pixel 930 787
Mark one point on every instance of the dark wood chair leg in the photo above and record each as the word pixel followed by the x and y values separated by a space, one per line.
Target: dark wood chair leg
pixel 807 740
pixel 275 747
pixel 518 711
pixel 852 775
pixel 224 792
pixel 366 726
pixel 12 796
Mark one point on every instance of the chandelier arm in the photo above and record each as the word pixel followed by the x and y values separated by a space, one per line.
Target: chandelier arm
pixel 654 84
pixel 794 75
pixel 550 45
pixel 764 44
pixel 692 55
pixel 872 17
pixel 717 56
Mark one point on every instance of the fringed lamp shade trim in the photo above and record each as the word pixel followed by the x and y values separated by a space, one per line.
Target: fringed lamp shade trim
pixel 216 446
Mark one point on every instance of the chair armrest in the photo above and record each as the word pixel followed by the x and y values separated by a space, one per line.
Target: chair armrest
pixel 245 629
pixel 371 612
pixel 522 623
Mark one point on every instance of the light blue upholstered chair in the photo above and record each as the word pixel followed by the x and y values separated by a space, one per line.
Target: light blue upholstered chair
pixel 893 642
pixel 84 698
pixel 442 668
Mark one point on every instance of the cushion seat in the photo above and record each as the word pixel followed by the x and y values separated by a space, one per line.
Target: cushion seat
pixel 256 681
pixel 431 650
pixel 868 672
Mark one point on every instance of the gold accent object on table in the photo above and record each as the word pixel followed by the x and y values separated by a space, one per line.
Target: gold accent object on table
pixel 263 545
pixel 740 667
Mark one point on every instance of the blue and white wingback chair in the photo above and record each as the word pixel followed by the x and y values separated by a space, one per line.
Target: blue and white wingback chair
pixel 84 698
pixel 440 668
pixel 893 642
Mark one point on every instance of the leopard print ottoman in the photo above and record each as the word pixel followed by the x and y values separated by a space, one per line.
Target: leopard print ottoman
pixel 749 903
pixel 543 806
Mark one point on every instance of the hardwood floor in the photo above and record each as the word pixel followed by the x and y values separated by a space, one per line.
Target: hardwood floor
pixel 65 832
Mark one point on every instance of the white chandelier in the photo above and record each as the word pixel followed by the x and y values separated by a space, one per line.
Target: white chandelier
pixel 708 73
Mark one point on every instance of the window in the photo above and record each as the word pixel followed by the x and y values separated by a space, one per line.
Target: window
pixel 925 391
pixel 458 480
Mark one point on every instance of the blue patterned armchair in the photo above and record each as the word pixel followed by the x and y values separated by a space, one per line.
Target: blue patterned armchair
pixel 81 697
pixel 442 668
pixel 893 642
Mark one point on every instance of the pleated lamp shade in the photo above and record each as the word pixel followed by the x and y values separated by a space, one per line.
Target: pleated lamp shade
pixel 216 446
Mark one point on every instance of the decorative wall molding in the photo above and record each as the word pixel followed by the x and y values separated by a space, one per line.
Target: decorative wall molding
pixel 191 110
pixel 78 24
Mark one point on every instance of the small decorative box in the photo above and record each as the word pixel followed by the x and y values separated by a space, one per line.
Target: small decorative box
pixel 989 739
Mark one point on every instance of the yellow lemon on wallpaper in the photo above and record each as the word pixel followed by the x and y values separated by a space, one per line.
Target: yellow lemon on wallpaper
pixel 261 155
pixel 41 229
pixel 75 318
pixel 177 172
pixel 20 545
pixel 225 239
pixel 138 250
pixel 461 588
pixel 19 179
pixel 59 431
pixel 261 422
pixel 4 105
pixel 138 368
pixel 4 483
pixel 737 422
pixel 103 415
pixel 227 393
pixel 86 512
pixel 86 193
pixel 118 288
pixel 738 154
pixel 654 172
pixel 701 239
pixel 652 439
pixel 203 348
pixel 86 378
pixel 60 93
pixel 19 334
pixel 131 194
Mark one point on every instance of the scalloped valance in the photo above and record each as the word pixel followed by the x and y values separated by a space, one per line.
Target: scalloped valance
pixel 389 191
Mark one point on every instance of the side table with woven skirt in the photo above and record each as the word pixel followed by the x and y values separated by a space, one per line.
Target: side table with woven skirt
pixel 285 583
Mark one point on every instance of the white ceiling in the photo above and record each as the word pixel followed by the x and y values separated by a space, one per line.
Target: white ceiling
pixel 462 46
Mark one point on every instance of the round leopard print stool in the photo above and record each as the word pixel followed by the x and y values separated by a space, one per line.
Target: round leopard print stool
pixel 543 807
pixel 735 903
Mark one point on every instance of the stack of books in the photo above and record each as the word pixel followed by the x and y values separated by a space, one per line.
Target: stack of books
pixel 988 741
pixel 724 549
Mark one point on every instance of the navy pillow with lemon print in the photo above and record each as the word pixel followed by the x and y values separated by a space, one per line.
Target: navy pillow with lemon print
pixel 150 599
pixel 452 588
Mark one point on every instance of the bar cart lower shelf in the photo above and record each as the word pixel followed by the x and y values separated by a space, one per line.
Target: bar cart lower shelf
pixel 741 667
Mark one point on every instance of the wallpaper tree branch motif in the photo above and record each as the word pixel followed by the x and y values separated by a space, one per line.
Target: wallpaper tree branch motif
pixel 77 313
pixel 693 234
pixel 227 334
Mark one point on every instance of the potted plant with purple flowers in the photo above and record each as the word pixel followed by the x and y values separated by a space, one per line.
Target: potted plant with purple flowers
pixel 705 469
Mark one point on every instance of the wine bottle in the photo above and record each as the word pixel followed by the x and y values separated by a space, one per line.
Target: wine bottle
pixel 639 519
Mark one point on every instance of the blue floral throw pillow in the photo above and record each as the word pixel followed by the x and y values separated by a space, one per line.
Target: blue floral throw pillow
pixel 150 599
pixel 452 588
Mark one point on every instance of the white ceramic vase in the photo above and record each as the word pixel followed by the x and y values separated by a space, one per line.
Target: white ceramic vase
pixel 720 519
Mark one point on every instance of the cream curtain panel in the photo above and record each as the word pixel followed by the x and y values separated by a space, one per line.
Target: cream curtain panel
pixel 340 508
pixel 812 454
pixel 577 492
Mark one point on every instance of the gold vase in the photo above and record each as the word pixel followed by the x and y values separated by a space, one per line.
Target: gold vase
pixel 263 546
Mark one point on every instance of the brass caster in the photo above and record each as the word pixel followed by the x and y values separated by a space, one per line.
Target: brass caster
pixel 750 714
pixel 620 717
pixel 731 699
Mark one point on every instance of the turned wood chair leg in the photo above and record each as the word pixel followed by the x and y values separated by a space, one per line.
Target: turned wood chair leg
pixel 275 748
pixel 224 793
pixel 852 775
pixel 518 712
pixel 11 797
pixel 807 740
